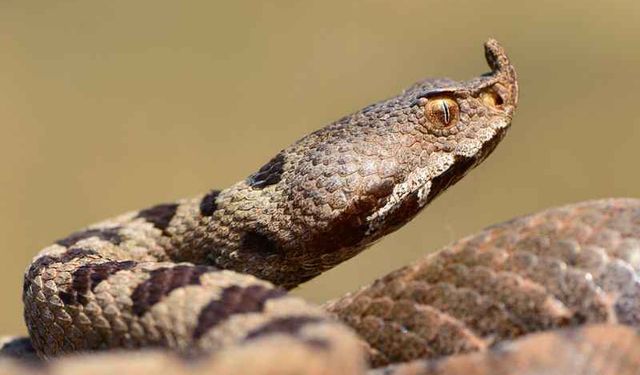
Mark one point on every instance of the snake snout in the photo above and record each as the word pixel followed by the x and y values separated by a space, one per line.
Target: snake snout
pixel 503 70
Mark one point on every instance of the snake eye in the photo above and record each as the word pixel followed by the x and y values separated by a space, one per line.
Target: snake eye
pixel 442 112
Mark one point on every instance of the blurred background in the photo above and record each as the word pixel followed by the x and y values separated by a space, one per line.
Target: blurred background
pixel 112 106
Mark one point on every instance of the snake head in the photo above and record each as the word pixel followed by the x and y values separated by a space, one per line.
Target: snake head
pixel 446 128
pixel 335 191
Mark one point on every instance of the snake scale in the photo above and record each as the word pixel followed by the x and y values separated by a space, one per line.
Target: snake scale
pixel 206 277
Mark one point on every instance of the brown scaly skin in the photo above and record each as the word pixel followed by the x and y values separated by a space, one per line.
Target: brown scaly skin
pixel 566 266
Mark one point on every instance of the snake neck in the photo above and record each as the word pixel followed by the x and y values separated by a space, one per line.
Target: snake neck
pixel 260 232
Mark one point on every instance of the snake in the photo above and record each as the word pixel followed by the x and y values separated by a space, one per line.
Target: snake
pixel 200 285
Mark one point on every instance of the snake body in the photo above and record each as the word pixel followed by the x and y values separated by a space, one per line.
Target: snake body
pixel 568 266
pixel 206 277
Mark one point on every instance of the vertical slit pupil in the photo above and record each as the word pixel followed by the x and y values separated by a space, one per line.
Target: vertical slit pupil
pixel 442 112
pixel 446 115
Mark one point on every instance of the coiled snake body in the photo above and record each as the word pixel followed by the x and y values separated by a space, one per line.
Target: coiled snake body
pixel 206 277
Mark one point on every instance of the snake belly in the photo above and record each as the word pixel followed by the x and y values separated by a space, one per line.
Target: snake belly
pixel 206 277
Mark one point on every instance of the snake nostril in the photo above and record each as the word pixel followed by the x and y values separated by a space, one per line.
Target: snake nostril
pixel 492 98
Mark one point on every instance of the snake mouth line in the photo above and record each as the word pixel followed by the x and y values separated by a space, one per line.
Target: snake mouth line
pixel 425 184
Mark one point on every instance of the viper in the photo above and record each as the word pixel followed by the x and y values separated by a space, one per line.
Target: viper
pixel 200 284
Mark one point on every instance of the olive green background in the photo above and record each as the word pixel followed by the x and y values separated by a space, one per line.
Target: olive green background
pixel 108 106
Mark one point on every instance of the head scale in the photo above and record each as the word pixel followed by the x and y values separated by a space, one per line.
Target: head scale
pixel 338 189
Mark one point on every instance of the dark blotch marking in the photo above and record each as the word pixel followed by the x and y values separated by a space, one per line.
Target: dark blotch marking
pixel 86 278
pixel 163 281
pixel 26 282
pixel 462 165
pixel 234 300
pixel 76 253
pixel 289 325
pixel 42 262
pixel 269 174
pixel 347 230
pixel 456 171
pixel 107 234
pixel 159 215
pixel 258 243
pixel 208 204
pixel 45 261
pixel 350 227
pixel 89 276
pixel 36 267
pixel 71 298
